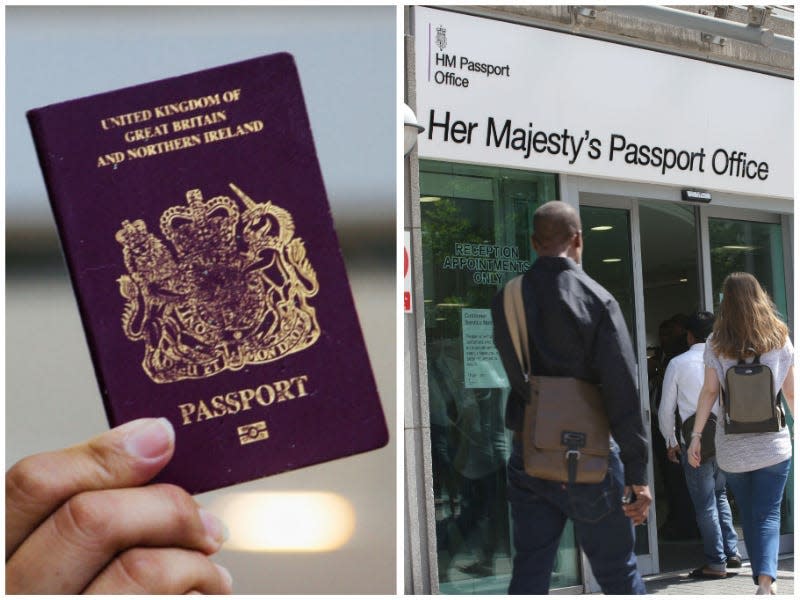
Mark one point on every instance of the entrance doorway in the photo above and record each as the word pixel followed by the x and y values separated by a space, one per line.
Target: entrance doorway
pixel 671 281
pixel 664 260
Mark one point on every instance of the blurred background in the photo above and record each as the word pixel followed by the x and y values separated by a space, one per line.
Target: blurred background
pixel 346 509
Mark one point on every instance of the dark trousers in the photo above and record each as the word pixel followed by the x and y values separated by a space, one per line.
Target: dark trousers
pixel 540 509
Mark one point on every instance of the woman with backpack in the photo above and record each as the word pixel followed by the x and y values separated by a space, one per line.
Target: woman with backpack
pixel 749 359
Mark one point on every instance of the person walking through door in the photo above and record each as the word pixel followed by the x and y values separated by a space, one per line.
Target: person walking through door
pixel 680 522
pixel 756 465
pixel 683 380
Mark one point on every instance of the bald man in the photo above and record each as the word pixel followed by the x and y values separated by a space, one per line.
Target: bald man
pixel 575 329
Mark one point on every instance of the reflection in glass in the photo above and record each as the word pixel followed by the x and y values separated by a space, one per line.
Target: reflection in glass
pixel 752 247
pixel 607 255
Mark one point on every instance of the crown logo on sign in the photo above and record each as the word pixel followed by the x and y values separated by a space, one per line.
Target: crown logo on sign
pixel 230 288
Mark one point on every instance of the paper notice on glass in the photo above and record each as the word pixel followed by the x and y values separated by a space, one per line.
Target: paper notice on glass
pixel 482 366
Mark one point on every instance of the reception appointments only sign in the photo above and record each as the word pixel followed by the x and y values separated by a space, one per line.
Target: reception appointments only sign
pixel 496 93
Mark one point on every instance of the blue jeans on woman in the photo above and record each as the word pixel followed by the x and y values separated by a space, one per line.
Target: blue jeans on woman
pixel 540 509
pixel 758 495
pixel 706 485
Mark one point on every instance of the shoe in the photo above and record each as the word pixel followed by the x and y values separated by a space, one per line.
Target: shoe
pixel 705 573
pixel 734 562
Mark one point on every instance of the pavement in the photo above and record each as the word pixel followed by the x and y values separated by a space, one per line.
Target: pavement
pixel 739 581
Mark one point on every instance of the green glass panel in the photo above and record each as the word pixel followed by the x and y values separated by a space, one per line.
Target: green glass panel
pixel 752 247
pixel 607 255
pixel 476 228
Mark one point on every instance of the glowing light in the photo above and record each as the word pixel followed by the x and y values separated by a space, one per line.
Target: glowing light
pixel 743 248
pixel 612 260
pixel 684 280
pixel 429 198
pixel 602 228
pixel 286 521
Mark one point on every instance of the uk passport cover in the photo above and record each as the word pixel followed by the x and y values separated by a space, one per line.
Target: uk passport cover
pixel 211 287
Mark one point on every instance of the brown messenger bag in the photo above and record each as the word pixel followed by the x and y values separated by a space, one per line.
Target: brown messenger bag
pixel 565 434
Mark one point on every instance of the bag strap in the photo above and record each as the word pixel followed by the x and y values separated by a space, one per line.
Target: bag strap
pixel 517 323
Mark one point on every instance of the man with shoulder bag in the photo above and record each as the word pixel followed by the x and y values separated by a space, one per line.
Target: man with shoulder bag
pixel 683 381
pixel 567 352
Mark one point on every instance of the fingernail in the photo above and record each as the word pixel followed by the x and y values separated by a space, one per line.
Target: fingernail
pixel 226 575
pixel 215 529
pixel 149 438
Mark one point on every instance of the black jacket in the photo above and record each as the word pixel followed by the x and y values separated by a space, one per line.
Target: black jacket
pixel 576 329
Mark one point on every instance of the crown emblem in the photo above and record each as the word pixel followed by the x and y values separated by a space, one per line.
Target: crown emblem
pixel 230 288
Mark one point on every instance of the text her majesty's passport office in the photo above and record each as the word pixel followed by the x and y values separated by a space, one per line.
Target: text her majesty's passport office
pixel 209 278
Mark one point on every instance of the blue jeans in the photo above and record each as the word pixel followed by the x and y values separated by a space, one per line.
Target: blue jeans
pixel 706 486
pixel 540 509
pixel 758 495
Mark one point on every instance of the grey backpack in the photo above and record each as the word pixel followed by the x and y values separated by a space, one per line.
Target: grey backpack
pixel 749 399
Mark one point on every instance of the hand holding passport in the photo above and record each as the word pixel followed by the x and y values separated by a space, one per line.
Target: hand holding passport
pixel 85 497
pixel 213 295
pixel 208 275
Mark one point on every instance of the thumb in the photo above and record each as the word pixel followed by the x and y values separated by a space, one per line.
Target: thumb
pixel 126 456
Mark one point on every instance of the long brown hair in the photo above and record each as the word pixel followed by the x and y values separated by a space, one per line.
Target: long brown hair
pixel 747 319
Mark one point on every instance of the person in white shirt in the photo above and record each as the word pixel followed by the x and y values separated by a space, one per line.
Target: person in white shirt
pixel 683 381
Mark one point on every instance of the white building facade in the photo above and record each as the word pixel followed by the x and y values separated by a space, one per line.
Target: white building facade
pixel 677 150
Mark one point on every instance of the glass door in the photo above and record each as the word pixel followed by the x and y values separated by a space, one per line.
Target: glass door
pixel 476 226
pixel 612 256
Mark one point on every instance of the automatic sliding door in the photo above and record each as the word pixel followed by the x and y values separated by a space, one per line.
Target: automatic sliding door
pixel 608 259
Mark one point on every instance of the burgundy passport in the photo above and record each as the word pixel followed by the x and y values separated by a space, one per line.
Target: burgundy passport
pixel 209 279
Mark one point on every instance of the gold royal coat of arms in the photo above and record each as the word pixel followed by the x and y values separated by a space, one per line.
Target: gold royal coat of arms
pixel 234 291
